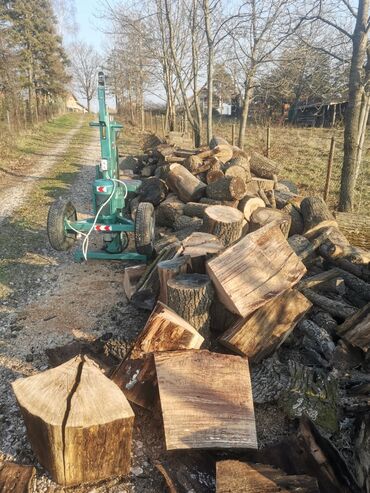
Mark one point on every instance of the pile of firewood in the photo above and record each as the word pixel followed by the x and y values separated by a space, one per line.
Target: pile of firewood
pixel 257 298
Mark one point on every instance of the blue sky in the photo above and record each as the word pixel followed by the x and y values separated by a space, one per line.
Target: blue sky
pixel 88 24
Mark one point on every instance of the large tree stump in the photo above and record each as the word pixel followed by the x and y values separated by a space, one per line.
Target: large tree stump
pixel 78 421
pixel 224 222
pixel 316 216
pixel 263 215
pixel 167 269
pixel 227 188
pixel 355 227
pixel 243 477
pixel 249 204
pixel 200 247
pixel 186 186
pixel 190 295
pixel 262 166
pixel 266 329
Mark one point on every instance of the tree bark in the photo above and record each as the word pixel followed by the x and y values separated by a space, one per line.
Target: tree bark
pixel 223 222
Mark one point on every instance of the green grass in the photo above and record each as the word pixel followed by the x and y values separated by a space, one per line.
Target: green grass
pixel 24 236
pixel 303 154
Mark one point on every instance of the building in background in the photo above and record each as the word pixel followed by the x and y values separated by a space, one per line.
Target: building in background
pixel 73 105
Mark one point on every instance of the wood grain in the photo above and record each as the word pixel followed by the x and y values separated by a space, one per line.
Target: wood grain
pixel 206 400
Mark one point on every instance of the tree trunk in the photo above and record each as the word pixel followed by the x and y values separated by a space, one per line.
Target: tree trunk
pixel 353 111
pixel 210 92
pixel 248 94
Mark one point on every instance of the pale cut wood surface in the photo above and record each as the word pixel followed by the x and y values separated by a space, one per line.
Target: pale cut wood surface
pixel 356 329
pixel 260 266
pixel 233 476
pixel 78 421
pixel 206 400
pixel 165 330
pixel 266 329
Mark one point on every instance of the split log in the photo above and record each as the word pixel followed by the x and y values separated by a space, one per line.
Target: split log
pixel 200 247
pixel 214 175
pixel 261 183
pixel 243 161
pixel 190 295
pixel 153 190
pixel 169 210
pixel 16 478
pixel 283 198
pixel 261 333
pixel 296 224
pixel 164 331
pixel 78 421
pixel 233 476
pixel 337 308
pixel 216 141
pixel 249 204
pixel 223 222
pixel 356 329
pixel 147 289
pixel 262 216
pixel 221 416
pixel 167 269
pixel 355 227
pixel 351 253
pixel 319 279
pixel 195 164
pixel 229 203
pixel 316 216
pixel 187 187
pixel 228 188
pixel 358 270
pixel 305 248
pixel 262 166
pixel 161 151
pixel 131 278
pixel 259 267
pixel 195 209
pixel 262 194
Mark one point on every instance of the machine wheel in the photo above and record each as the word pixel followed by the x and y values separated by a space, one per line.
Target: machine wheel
pixel 145 229
pixel 59 238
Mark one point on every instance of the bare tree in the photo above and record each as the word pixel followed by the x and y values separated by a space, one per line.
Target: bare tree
pixel 85 63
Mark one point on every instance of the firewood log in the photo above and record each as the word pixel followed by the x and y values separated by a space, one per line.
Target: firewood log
pixel 169 210
pixel 243 477
pixel 187 187
pixel 167 269
pixel 262 194
pixel 316 216
pixel 78 421
pixel 223 222
pixel 242 161
pixel 355 329
pixel 262 216
pixel 16 478
pixel 355 227
pixel 228 188
pixel 305 248
pixel 235 170
pixel 195 209
pixel 216 141
pixel 190 296
pixel 182 222
pixel 296 224
pixel 249 204
pixel 229 203
pixel 201 247
pixel 337 308
pixel 214 175
pixel 262 166
pixel 196 164
pixel 361 287
pixel 265 330
pixel 153 190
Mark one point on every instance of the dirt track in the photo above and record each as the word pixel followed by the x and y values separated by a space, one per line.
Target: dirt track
pixel 66 302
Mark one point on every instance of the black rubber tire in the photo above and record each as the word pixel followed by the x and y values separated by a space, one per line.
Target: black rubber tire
pixel 60 210
pixel 292 186
pixel 145 229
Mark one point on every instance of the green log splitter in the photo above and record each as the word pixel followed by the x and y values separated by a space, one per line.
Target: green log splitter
pixel 111 209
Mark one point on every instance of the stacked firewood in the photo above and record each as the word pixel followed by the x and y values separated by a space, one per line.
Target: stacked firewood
pixel 257 301
pixel 268 274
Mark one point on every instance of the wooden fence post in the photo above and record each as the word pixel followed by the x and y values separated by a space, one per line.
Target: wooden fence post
pixel 329 168
pixel 163 129
pixel 233 134
pixel 156 124
pixel 268 142
pixel 185 123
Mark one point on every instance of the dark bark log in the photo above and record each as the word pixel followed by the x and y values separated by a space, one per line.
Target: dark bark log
pixel 169 210
pixel 296 225
pixel 195 209
pixel 187 187
pixel 316 216
pixel 336 308
pixel 153 190
pixel 262 166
